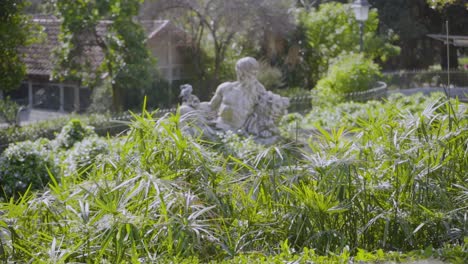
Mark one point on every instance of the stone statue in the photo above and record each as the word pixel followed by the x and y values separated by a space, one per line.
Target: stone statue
pixel 187 97
pixel 243 106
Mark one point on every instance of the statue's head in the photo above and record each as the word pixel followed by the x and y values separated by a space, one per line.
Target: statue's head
pixel 185 91
pixel 247 68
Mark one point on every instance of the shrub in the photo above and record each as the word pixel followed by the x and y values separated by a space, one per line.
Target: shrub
pixel 243 148
pixel 25 164
pixel 290 124
pixel 395 182
pixel 84 154
pixel 8 111
pixel 49 128
pixel 73 132
pixel 101 99
pixel 292 92
pixel 351 113
pixel 270 76
pixel 349 73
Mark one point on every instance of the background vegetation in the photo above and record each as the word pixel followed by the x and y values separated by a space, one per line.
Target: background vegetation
pixel 348 182
pixel 392 179
pixel 298 38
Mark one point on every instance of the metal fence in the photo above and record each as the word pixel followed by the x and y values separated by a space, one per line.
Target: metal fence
pixel 303 104
pixel 425 78
pixel 372 94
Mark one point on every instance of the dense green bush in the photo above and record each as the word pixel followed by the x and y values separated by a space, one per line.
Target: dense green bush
pixel 25 164
pixel 351 114
pixel 332 31
pixel 84 154
pixel 237 146
pixel 290 125
pixel 49 128
pixel 101 99
pixel 350 73
pixel 271 77
pixel 74 131
pixel 8 111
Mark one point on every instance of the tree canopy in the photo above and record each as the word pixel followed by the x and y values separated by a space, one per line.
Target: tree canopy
pixel 442 3
pixel 332 30
pixel 127 64
pixel 219 29
pixel 15 31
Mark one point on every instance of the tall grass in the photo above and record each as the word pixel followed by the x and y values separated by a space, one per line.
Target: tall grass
pixel 395 182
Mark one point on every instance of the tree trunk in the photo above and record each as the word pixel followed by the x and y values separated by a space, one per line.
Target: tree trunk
pixel 116 99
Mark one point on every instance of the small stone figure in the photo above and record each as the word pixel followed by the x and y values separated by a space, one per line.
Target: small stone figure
pixel 243 106
pixel 187 97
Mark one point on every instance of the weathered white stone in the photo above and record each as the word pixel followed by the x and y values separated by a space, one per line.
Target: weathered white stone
pixel 243 106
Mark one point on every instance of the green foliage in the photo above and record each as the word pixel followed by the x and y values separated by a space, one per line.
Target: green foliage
pixel 101 98
pixel 292 92
pixel 290 125
pixel 332 30
pixel 441 3
pixel 271 77
pixel 25 165
pixel 350 73
pixel 243 148
pixel 8 111
pixel 49 128
pixel 14 32
pixel 413 21
pixel 350 114
pixel 83 155
pixel 74 131
pixel 127 64
pixel 222 32
pixel 392 182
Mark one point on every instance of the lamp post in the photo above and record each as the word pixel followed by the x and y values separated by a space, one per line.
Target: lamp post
pixel 361 11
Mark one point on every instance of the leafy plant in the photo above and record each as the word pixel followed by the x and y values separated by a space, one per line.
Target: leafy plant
pixel 83 155
pixel 25 165
pixel 270 76
pixel 126 64
pixel 74 131
pixel 331 32
pixel 388 179
pixel 49 128
pixel 15 31
pixel 8 111
pixel 350 73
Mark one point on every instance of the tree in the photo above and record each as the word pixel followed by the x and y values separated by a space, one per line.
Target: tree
pixel 333 30
pixel 222 29
pixel 15 31
pixel 412 21
pixel 443 3
pixel 308 4
pixel 127 64
pixel 453 14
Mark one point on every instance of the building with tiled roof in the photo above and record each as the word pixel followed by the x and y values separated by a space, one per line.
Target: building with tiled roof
pixel 166 42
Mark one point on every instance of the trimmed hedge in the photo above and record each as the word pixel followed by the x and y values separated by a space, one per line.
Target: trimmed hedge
pixel 49 129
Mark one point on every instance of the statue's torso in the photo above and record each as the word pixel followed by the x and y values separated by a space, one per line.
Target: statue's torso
pixel 237 104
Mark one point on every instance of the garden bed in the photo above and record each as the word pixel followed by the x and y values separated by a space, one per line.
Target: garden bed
pixel 380 182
